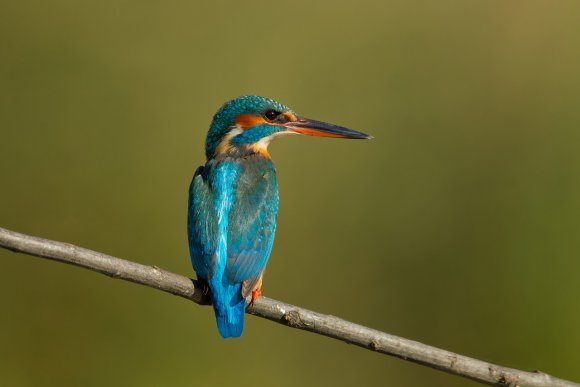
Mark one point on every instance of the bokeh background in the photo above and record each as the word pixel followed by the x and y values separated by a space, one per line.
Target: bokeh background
pixel 458 225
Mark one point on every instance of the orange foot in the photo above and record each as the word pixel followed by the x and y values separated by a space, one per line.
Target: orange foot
pixel 255 294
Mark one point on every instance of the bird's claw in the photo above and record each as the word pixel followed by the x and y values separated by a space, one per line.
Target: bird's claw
pixel 205 291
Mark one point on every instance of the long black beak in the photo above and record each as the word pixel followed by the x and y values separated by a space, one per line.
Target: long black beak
pixel 322 129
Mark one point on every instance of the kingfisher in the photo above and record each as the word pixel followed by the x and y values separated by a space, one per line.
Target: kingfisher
pixel 233 201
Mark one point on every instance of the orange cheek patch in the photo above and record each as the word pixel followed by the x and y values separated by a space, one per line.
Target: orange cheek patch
pixel 246 121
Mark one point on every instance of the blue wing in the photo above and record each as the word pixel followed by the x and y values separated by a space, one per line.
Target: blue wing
pixel 252 222
pixel 201 225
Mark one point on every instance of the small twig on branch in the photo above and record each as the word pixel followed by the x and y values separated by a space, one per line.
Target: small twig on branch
pixel 282 313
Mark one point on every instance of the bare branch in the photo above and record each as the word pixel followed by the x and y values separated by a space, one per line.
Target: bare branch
pixel 282 313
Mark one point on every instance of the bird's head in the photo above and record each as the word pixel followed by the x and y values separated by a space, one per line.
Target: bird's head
pixel 247 124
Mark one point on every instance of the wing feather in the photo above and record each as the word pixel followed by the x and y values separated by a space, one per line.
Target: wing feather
pixel 252 222
pixel 201 225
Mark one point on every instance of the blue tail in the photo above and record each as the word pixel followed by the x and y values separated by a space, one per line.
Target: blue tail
pixel 232 325
pixel 229 313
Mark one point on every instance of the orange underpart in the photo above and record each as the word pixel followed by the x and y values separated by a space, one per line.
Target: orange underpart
pixel 260 149
pixel 255 294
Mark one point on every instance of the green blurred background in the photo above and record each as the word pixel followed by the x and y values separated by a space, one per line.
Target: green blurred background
pixel 457 226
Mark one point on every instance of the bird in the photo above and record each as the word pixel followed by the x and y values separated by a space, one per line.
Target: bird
pixel 233 201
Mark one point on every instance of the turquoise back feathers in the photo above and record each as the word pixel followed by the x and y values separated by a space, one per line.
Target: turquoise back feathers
pixel 231 225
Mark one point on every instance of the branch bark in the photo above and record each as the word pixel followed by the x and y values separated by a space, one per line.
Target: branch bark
pixel 282 313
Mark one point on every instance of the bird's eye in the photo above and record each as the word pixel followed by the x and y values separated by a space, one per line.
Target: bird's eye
pixel 271 114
